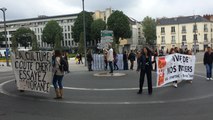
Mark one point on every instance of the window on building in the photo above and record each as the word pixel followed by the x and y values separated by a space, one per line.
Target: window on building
pixel 195 28
pixel 172 29
pixel 69 36
pixel 162 39
pixel 69 43
pixel 205 28
pixel 65 28
pixel 183 29
pixel 162 30
pixel 65 43
pixel 173 39
pixel 38 30
pixel 183 38
pixel 205 37
pixel 72 43
pixel 65 35
pixel 68 28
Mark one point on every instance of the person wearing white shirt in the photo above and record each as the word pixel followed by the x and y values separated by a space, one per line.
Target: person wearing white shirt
pixel 110 59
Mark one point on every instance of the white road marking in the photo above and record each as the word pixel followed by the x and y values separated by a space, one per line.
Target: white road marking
pixel 105 103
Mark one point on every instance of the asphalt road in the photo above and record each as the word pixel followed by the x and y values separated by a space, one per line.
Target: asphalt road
pixel 89 97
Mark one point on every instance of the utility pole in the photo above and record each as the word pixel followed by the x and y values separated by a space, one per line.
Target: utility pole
pixel 84 24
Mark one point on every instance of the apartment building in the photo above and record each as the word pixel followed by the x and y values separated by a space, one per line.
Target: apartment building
pixel 38 24
pixel 192 32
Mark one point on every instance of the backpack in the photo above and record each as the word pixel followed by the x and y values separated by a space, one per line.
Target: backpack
pixel 64 65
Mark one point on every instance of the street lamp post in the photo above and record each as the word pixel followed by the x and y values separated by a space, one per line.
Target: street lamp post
pixel 84 25
pixel 5 35
pixel 195 36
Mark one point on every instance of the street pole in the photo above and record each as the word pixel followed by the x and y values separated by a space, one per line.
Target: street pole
pixel 195 37
pixel 5 35
pixel 85 54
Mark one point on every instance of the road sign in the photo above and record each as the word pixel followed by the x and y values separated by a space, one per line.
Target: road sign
pixel 106 36
pixel 102 45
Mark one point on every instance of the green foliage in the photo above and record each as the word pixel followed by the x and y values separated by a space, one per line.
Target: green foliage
pixel 96 28
pixel 34 44
pixel 149 29
pixel 77 29
pixel 119 23
pixel 23 36
pixel 52 34
pixel 81 44
pixel 14 44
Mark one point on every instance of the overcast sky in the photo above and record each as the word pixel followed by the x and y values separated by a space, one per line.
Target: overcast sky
pixel 138 9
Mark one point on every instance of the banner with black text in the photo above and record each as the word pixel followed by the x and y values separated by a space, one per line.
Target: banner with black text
pixel 175 67
pixel 33 70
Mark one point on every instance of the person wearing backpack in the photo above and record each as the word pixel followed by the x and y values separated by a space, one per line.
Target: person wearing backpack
pixel 58 75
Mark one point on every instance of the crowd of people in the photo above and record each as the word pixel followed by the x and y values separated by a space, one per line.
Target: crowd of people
pixel 144 59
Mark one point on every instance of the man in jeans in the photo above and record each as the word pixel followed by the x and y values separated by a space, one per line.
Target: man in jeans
pixel 207 60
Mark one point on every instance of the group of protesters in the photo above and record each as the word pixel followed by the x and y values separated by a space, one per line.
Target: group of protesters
pixel 144 59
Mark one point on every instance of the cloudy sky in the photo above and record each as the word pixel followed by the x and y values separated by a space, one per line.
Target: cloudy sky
pixel 138 9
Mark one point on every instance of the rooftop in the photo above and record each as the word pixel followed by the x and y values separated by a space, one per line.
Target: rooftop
pixel 181 20
pixel 42 17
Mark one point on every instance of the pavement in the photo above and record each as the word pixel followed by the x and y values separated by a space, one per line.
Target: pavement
pixel 90 97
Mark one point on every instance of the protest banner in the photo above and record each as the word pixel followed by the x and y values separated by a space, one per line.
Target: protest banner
pixel 175 67
pixel 33 70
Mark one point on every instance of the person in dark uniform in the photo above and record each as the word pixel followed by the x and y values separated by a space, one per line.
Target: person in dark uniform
pixel 145 68
pixel 89 60
pixel 125 60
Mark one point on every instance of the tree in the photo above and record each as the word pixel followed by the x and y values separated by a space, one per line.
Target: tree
pixel 52 34
pixel 81 43
pixel 149 29
pixel 23 36
pixel 96 28
pixel 77 29
pixel 118 22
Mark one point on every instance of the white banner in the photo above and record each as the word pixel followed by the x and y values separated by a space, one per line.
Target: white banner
pixel 98 62
pixel 33 70
pixel 175 67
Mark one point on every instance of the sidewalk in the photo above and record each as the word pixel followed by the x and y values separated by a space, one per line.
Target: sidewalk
pixel 4 67
pixel 76 67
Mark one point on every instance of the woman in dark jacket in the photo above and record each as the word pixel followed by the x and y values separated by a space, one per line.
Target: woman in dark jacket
pixel 146 68
pixel 207 61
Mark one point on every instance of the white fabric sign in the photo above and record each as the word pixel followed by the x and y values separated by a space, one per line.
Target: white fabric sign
pixel 33 70
pixel 175 67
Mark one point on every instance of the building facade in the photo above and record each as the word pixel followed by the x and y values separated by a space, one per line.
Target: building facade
pixel 104 15
pixel 37 25
pixel 192 32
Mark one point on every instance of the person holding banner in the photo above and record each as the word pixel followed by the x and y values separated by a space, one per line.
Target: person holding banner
pixel 207 61
pixel 58 75
pixel 145 68
pixel 173 51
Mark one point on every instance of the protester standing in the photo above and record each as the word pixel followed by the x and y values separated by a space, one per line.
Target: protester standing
pixel 80 59
pixel 58 75
pixel 207 60
pixel 105 60
pixel 64 56
pixel 89 60
pixel 145 68
pixel 131 57
pixel 125 61
pixel 110 58
pixel 138 60
pixel 115 56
